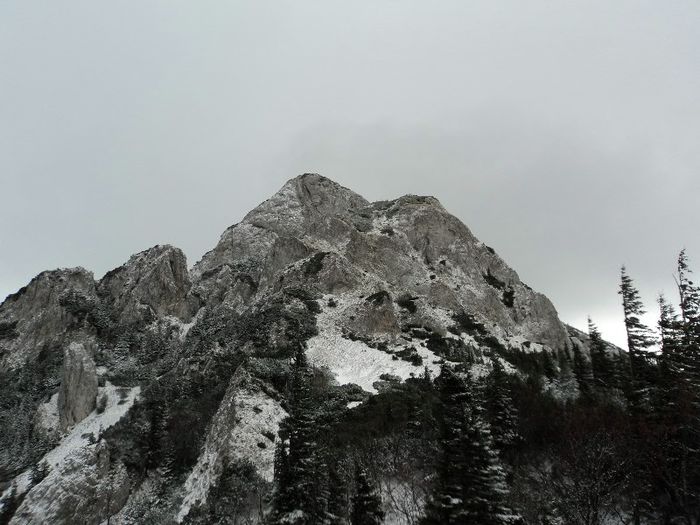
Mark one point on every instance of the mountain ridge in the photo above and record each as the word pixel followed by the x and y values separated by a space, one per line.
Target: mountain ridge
pixel 378 294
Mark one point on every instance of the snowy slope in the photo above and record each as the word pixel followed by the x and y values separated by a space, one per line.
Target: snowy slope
pixel 240 432
pixel 353 361
pixel 119 401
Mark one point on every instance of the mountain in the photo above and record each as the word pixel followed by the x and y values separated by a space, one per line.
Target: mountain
pixel 134 397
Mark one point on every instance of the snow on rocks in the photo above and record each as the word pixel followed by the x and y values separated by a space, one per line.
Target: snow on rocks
pixel 78 477
pixel 355 362
pixel 46 419
pixel 243 429
pixel 81 488
pixel 118 402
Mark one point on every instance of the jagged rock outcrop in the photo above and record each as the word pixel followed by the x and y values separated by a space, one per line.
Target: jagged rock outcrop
pixel 39 320
pixel 151 284
pixel 78 392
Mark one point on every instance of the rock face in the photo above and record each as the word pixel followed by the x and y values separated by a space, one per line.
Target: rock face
pixel 78 392
pixel 40 319
pixel 151 284
pixel 411 245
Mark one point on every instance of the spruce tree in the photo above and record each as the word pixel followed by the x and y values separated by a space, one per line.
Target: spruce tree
pixel 603 367
pixel 503 415
pixel 683 337
pixel 669 332
pixel 639 339
pixel 669 371
pixel 689 352
pixel 301 488
pixel 366 503
pixel 584 374
pixel 470 485
pixel 337 494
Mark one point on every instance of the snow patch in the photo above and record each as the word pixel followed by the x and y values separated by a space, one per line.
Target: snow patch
pixel 355 362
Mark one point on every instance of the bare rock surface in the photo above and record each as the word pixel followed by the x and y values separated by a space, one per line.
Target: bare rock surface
pixel 41 317
pixel 412 244
pixel 78 392
pixel 151 284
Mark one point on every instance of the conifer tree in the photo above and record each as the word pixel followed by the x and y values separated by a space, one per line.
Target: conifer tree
pixel 669 331
pixel 39 472
pixel 470 485
pixel 301 493
pixel 689 353
pixel 337 494
pixel 639 339
pixel 366 503
pixel 682 338
pixel 584 374
pixel 503 415
pixel 603 367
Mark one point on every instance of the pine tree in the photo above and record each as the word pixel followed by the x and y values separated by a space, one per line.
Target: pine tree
pixel 639 339
pixel 682 341
pixel 603 367
pixel 669 379
pixel 669 331
pixel 337 494
pixel 366 503
pixel 301 486
pixel 689 352
pixel 584 374
pixel 470 485
pixel 503 415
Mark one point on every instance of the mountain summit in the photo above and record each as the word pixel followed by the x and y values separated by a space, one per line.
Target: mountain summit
pixel 142 395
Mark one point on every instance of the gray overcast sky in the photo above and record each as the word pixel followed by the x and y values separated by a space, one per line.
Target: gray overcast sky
pixel 564 134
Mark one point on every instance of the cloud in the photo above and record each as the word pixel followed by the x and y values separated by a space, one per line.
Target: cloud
pixel 563 135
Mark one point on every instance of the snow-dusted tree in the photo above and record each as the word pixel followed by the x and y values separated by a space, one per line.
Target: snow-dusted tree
pixel 639 339
pixel 689 294
pixel 337 493
pixel 503 415
pixel 39 472
pixel 669 382
pixel 603 367
pixel 470 485
pixel 584 374
pixel 669 331
pixel 680 403
pixel 301 488
pixel 366 503
pixel 586 478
